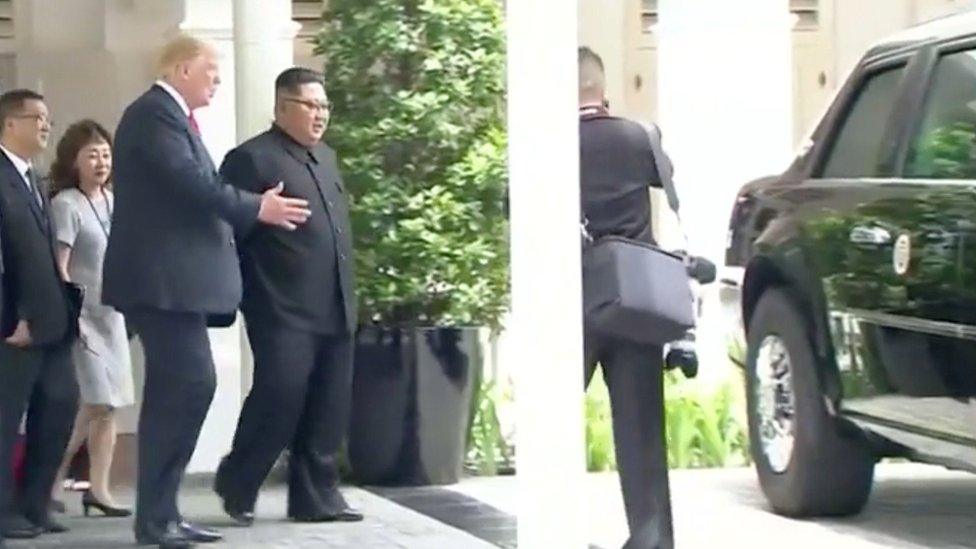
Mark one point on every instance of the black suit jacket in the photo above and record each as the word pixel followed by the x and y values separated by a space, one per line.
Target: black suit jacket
pixel 617 166
pixel 303 279
pixel 32 288
pixel 171 247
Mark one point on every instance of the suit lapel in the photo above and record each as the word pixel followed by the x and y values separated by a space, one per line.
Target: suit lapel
pixel 200 150
pixel 14 178
pixel 196 142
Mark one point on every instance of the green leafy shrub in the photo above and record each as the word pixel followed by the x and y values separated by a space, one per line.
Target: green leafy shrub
pixel 489 451
pixel 703 429
pixel 418 88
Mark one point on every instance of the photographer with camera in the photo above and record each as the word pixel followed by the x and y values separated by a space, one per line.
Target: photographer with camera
pixel 636 297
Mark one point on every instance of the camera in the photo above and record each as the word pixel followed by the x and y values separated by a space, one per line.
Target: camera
pixel 681 354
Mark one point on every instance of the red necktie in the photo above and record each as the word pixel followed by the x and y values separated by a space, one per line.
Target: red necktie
pixel 193 123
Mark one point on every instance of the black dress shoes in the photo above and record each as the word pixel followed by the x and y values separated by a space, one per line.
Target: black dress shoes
pixel 241 515
pixel 18 527
pixel 168 536
pixel 240 518
pixel 199 534
pixel 343 515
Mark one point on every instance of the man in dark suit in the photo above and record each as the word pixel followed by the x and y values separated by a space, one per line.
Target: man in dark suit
pixel 300 310
pixel 170 264
pixel 617 165
pixel 36 374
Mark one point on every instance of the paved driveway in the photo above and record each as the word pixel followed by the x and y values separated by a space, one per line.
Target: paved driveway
pixel 913 506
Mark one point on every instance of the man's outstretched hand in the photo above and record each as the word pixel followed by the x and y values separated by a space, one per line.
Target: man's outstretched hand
pixel 287 213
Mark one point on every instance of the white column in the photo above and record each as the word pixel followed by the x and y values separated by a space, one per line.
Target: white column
pixel 264 35
pixel 212 20
pixel 725 89
pixel 546 325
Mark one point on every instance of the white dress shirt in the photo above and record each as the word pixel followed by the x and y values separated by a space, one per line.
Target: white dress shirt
pixel 176 96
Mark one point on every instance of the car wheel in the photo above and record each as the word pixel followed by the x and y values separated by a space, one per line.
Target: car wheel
pixel 806 465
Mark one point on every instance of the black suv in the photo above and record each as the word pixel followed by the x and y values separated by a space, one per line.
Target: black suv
pixel 855 276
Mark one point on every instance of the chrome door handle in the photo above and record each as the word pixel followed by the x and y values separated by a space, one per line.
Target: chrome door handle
pixel 870 235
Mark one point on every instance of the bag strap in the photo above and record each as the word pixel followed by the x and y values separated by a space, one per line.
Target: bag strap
pixel 662 163
pixel 665 169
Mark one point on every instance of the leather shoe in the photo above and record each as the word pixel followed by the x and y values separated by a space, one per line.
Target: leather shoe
pixel 343 515
pixel 240 518
pixel 199 534
pixel 166 536
pixel 241 515
pixel 18 527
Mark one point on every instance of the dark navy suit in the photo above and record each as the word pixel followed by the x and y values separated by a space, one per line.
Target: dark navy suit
pixel 170 264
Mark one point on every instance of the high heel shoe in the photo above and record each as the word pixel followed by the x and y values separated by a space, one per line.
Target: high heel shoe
pixel 88 501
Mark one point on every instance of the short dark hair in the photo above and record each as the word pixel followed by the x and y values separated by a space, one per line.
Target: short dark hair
pixel 587 55
pixel 12 103
pixel 64 174
pixel 290 79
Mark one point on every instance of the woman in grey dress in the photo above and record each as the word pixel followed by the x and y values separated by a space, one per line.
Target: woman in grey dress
pixel 82 212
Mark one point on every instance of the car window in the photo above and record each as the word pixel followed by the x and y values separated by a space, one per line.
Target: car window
pixel 857 146
pixel 943 145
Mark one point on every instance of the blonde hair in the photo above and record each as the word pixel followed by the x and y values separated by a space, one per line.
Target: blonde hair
pixel 181 49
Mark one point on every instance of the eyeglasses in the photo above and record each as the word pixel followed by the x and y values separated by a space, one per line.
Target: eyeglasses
pixel 312 105
pixel 37 118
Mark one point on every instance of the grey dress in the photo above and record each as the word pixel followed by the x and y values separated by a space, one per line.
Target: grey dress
pixel 102 362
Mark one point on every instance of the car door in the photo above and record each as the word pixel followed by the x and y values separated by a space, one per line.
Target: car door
pixel 940 156
pixel 887 251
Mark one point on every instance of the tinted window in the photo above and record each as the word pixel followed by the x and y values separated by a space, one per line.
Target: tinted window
pixel 943 146
pixel 857 147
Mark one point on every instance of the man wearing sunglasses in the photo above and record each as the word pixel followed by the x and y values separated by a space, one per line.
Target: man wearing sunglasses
pixel 300 309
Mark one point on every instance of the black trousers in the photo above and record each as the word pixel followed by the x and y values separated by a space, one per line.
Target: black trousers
pixel 180 384
pixel 300 400
pixel 40 381
pixel 635 378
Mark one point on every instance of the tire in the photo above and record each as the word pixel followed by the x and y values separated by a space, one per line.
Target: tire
pixel 827 472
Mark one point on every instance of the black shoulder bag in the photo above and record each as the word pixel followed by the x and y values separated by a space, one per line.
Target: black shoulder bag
pixel 632 290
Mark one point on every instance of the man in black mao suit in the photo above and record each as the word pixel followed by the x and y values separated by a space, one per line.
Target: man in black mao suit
pixel 36 374
pixel 170 264
pixel 299 307
pixel 617 165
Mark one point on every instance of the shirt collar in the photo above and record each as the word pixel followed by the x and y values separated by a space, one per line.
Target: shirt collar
pixel 175 95
pixel 593 109
pixel 19 163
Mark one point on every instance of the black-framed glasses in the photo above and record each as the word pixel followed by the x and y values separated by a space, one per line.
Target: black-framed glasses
pixel 325 106
pixel 37 118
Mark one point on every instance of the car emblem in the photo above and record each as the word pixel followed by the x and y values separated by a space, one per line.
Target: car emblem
pixel 902 254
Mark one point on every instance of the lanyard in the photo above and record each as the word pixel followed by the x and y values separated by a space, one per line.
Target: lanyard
pixel 108 208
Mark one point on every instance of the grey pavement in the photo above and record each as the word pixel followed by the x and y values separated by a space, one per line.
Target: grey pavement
pixel 912 507
pixel 387 526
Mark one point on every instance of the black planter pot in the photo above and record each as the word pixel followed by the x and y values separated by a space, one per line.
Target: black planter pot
pixel 411 404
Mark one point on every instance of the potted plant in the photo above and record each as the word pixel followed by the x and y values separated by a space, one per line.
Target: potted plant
pixel 417 88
